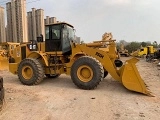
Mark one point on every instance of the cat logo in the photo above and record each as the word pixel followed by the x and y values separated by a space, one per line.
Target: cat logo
pixel 99 55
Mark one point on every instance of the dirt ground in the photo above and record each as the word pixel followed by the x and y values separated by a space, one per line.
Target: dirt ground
pixel 60 99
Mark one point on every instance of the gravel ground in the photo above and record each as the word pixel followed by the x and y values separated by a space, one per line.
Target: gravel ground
pixel 60 99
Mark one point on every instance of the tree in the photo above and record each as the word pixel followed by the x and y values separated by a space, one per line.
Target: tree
pixel 155 45
pixel 123 42
pixel 133 46
pixel 144 44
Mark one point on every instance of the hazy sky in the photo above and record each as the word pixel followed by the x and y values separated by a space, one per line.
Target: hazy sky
pixel 130 20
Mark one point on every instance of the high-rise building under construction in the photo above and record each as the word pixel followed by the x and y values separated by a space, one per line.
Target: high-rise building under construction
pixel 2 25
pixel 35 23
pixel 16 21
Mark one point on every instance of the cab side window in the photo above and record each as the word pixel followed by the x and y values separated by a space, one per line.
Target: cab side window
pixel 47 32
pixel 55 32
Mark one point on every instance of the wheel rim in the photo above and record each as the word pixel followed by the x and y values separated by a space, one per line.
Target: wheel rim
pixel 27 72
pixel 85 73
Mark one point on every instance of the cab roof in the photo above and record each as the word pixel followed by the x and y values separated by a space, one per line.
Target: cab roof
pixel 60 23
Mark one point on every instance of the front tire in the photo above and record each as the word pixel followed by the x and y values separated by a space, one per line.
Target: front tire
pixel 87 72
pixel 30 71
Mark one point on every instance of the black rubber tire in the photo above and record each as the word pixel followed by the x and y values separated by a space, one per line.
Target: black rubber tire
pixel 97 69
pixel 1 91
pixel 38 71
pixel 52 75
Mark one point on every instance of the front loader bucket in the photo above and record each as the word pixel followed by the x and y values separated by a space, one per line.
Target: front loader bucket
pixel 3 64
pixel 131 78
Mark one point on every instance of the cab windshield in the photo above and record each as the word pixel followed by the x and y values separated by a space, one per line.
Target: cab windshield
pixel 68 36
pixel 68 33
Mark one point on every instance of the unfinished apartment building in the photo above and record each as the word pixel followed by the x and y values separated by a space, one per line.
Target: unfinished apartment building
pixel 16 21
pixel 35 23
pixel 2 25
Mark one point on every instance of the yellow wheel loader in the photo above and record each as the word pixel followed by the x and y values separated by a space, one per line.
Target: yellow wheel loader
pixel 6 51
pixel 59 54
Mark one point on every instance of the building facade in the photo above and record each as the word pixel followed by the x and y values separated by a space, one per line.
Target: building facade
pixel 16 21
pixel 35 23
pixel 2 25
pixel 50 20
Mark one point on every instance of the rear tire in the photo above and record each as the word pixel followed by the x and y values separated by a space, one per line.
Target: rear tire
pixel 87 72
pixel 30 71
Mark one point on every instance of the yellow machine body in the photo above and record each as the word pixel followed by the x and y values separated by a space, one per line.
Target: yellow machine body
pixel 3 63
pixel 87 64
pixel 146 50
pixel 135 53
pixel 6 50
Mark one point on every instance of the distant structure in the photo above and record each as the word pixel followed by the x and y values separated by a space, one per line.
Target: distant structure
pixel 50 20
pixel 35 23
pixel 2 25
pixel 16 21
pixel 78 39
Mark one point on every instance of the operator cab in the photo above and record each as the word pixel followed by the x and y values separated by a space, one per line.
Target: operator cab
pixel 58 37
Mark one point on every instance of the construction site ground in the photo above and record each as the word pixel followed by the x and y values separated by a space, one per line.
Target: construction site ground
pixel 60 99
